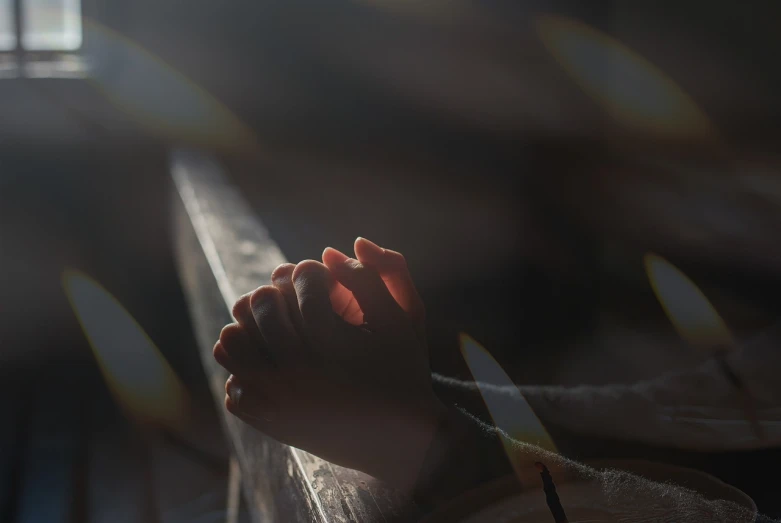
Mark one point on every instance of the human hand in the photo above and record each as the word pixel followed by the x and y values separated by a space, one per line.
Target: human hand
pixel 332 359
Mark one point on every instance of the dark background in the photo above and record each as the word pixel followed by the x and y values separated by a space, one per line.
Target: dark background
pixel 442 130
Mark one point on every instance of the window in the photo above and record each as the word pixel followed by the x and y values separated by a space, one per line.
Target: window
pixel 40 25
pixel 7 32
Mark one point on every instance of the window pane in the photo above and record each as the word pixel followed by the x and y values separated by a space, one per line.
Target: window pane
pixel 7 33
pixel 51 25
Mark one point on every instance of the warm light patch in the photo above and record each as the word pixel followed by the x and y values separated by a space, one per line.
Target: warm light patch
pixel 512 414
pixel 137 374
pixel 686 306
pixel 631 89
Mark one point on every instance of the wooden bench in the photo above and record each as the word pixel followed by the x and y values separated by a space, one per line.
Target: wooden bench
pixel 223 251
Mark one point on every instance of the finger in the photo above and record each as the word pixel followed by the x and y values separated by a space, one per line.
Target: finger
pixel 239 350
pixel 394 272
pixel 282 279
pixel 342 300
pixel 379 308
pixel 248 401
pixel 344 303
pixel 273 319
pixel 222 357
pixel 243 314
pixel 312 281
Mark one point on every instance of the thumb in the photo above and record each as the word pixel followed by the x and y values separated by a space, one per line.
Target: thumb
pixel 393 270
pixel 379 308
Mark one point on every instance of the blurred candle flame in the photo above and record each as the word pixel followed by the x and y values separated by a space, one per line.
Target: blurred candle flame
pixel 686 306
pixel 699 324
pixel 630 88
pixel 511 414
pixel 135 371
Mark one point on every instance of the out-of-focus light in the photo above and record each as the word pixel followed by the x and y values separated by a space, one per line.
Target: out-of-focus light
pixel 51 25
pixel 697 322
pixel 630 88
pixel 512 414
pixel 686 306
pixel 7 29
pixel 159 98
pixel 135 371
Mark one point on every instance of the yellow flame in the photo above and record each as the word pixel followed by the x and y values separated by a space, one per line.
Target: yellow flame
pixel 686 306
pixel 512 414
pixel 161 99
pixel 135 371
pixel 630 88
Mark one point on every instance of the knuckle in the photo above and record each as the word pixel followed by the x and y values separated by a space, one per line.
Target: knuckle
pixel 241 307
pixel 362 271
pixel 282 272
pixel 312 280
pixel 218 352
pixel 264 295
pixel 308 269
pixel 231 334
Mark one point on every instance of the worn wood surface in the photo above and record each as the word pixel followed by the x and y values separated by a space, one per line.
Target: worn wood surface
pixel 224 251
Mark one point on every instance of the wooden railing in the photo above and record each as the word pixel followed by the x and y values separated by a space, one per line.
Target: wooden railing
pixel 223 251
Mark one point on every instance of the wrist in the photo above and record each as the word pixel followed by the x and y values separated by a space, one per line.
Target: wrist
pixel 408 439
pixel 462 455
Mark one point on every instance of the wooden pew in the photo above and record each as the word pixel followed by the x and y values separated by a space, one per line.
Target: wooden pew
pixel 223 251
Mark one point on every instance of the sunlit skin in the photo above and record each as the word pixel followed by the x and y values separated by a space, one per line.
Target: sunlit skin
pixel 331 358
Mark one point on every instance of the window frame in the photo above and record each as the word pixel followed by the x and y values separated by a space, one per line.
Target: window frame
pixel 21 62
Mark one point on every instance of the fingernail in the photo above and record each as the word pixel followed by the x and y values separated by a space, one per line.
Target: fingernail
pixel 282 273
pixel 368 242
pixel 337 255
